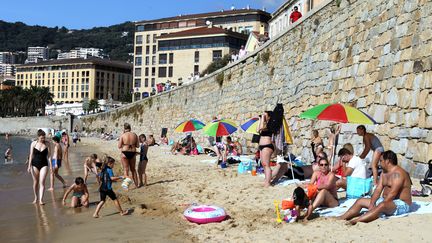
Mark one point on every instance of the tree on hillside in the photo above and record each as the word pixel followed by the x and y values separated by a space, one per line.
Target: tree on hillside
pixel 217 64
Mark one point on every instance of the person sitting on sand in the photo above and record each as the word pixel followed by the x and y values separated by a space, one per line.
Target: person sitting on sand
pixel 90 166
pixel 355 167
pixel 80 195
pixel 56 163
pixel 371 142
pixel 283 168
pixel 233 148
pixel 324 182
pixel 151 141
pixel 164 140
pixel 219 149
pixel 395 186
pixel 107 177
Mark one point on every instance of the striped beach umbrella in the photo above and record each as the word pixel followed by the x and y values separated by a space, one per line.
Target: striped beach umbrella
pixel 219 128
pixel 189 126
pixel 251 125
pixel 338 113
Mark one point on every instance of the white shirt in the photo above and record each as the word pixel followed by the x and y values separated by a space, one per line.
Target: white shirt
pixel 359 167
pixel 242 53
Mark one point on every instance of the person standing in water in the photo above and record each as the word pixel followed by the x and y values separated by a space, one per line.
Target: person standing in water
pixel 38 165
pixel 56 164
pixel 143 161
pixel 128 143
pixel 371 142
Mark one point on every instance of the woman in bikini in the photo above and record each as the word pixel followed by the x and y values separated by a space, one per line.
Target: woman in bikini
pixel 128 143
pixel 325 182
pixel 266 146
pixel 371 142
pixel 38 165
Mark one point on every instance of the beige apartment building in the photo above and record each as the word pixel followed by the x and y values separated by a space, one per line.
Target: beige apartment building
pixel 72 80
pixel 201 39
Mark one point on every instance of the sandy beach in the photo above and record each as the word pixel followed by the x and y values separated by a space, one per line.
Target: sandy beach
pixel 175 181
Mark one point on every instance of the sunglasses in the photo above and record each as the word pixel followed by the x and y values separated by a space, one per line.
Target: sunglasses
pixel 323 164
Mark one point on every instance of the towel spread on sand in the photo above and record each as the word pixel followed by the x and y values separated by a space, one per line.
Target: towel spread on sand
pixel 417 207
pixel 285 181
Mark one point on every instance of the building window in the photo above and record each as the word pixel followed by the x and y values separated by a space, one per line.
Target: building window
pixel 147 61
pixel 137 72
pixel 153 60
pixel 162 72
pixel 146 82
pixel 153 82
pixel 217 55
pixel 154 49
pixel 196 59
pixel 153 71
pixel 138 39
pixel 147 50
pixel 171 58
pixel 154 38
pixel 138 61
pixel 196 69
pixel 148 39
pixel 138 50
pixel 170 72
pixel 162 58
pixel 146 71
pixel 137 83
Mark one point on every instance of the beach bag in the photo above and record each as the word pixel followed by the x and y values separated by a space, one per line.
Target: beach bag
pixel 244 165
pixel 358 187
pixel 105 180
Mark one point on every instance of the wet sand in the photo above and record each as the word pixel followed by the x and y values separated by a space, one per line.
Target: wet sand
pixel 22 221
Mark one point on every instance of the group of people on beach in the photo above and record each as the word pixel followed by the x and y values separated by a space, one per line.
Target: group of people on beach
pixel 392 188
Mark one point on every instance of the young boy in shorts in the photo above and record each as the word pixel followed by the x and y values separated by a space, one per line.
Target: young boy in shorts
pixel 80 195
pixel 107 177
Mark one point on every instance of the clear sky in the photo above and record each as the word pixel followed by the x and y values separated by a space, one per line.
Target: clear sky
pixel 84 14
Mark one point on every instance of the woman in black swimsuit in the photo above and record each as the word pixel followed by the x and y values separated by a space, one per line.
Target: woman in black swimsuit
pixel 265 146
pixel 38 165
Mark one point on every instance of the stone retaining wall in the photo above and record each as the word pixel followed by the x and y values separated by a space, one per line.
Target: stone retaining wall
pixel 373 54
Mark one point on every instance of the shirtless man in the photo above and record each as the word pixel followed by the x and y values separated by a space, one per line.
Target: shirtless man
pixel 128 143
pixel 56 163
pixel 371 141
pixel 394 183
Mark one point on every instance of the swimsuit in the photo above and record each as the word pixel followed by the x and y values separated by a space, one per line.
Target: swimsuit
pixel 143 157
pixel 129 154
pixel 99 164
pixel 77 194
pixel 266 133
pixel 376 144
pixel 401 206
pixel 40 158
pixel 55 162
pixel 322 179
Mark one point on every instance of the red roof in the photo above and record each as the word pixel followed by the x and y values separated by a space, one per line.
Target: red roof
pixel 203 31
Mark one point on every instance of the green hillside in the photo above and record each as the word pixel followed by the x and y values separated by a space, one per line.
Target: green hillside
pixel 18 36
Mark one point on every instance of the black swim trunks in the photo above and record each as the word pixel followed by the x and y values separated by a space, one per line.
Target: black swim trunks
pixel 109 193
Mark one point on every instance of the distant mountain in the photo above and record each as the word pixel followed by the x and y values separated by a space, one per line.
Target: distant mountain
pixel 113 39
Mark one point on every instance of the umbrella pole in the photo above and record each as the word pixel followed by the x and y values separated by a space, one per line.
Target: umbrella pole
pixel 289 158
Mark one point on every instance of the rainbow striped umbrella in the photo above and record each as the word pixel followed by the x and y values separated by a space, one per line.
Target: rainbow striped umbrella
pixel 189 126
pixel 251 125
pixel 338 113
pixel 219 128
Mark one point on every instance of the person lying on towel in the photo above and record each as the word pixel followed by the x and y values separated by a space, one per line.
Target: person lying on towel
pixel 395 186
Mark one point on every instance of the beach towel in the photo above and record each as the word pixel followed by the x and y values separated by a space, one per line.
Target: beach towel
pixel 285 181
pixel 417 207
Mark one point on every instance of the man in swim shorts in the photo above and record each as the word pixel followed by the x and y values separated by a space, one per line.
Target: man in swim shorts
pixel 128 143
pixel 395 186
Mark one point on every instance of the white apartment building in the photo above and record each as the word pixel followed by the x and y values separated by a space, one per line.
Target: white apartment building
pixel 37 53
pixel 7 57
pixel 7 69
pixel 80 52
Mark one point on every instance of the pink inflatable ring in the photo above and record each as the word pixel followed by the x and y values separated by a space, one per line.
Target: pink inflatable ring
pixel 203 214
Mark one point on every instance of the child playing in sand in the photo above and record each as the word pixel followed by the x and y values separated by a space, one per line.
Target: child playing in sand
pixel 90 166
pixel 301 201
pixel 80 196
pixel 107 176
pixel 56 164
